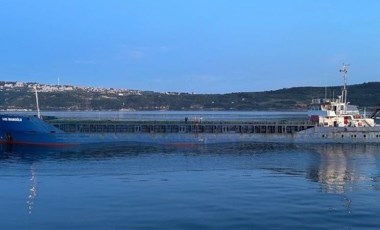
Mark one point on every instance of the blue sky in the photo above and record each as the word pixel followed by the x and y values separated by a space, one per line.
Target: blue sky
pixel 201 46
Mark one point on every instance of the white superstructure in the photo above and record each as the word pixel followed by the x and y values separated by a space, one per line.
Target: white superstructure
pixel 338 112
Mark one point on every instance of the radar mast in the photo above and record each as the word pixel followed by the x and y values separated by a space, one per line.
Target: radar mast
pixel 344 70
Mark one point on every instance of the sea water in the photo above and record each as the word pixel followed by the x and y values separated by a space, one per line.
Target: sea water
pixel 224 186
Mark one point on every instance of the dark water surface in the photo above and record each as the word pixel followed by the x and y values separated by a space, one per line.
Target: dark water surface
pixel 235 186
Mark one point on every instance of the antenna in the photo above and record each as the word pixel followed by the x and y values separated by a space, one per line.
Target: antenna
pixel 38 107
pixel 344 70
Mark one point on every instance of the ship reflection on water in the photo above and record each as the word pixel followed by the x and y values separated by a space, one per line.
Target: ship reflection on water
pixel 337 167
pixel 341 168
pixel 33 188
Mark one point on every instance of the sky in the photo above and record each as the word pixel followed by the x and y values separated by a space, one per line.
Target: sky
pixel 200 46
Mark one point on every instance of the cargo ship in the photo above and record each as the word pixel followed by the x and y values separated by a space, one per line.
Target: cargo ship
pixel 330 121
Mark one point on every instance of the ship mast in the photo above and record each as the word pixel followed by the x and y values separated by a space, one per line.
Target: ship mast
pixel 344 70
pixel 38 106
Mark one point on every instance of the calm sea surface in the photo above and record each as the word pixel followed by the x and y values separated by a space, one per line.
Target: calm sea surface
pixel 234 186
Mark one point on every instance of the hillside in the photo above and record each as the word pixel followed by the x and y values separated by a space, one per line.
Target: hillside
pixel 16 96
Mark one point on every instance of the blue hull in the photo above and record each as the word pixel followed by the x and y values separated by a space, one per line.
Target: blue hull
pixel 30 130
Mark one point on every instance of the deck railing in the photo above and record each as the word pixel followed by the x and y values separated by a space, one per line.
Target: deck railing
pixel 269 127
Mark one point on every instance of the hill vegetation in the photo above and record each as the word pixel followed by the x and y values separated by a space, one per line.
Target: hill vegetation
pixel 296 98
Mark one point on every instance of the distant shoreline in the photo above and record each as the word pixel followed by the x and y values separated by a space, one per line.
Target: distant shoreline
pixel 21 97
